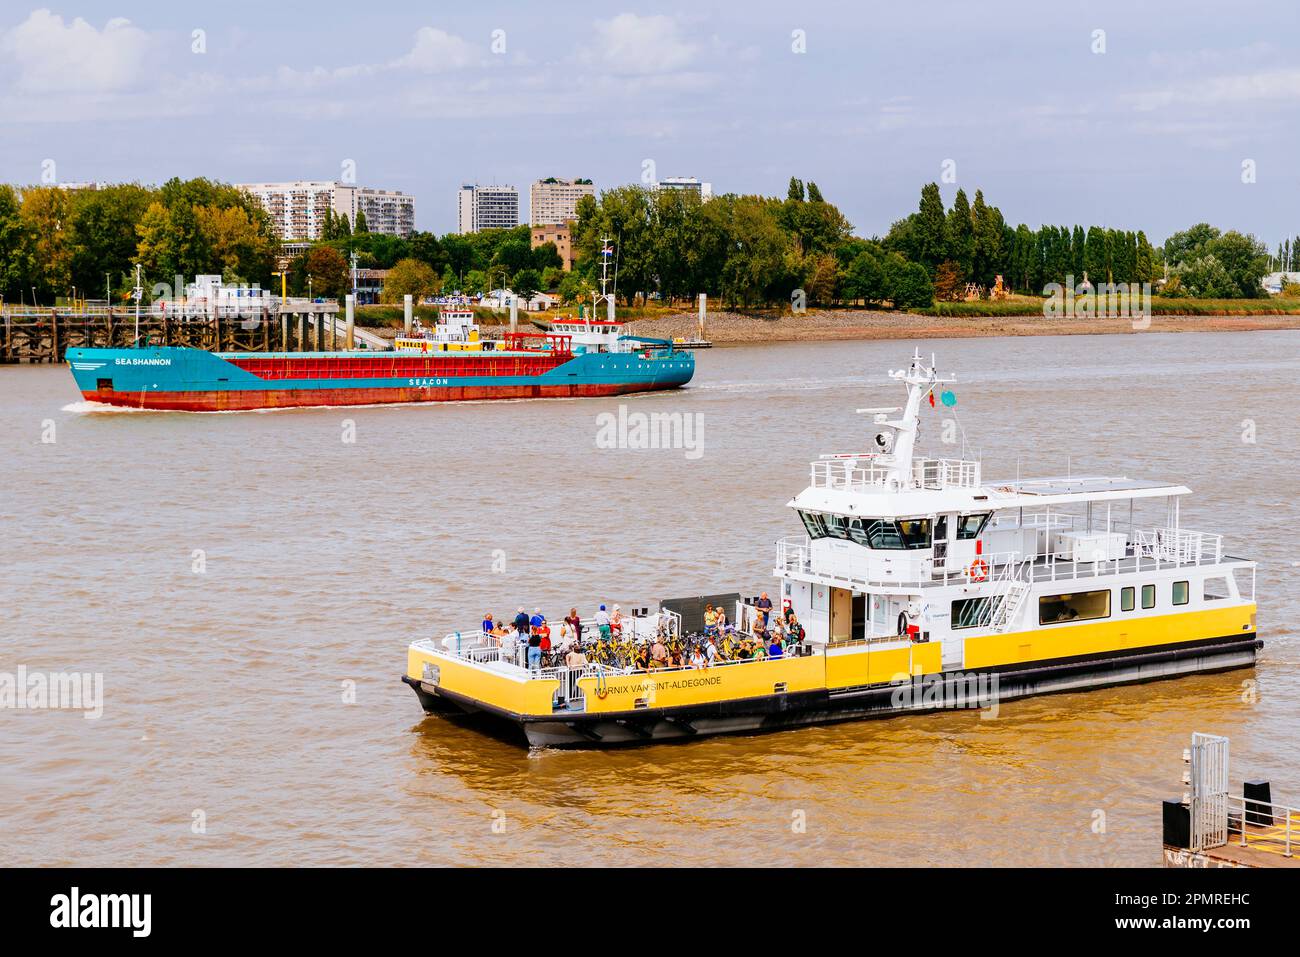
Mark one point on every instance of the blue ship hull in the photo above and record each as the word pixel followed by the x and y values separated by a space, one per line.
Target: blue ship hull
pixel 197 381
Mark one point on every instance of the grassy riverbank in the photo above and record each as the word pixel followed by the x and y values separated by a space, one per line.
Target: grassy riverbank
pixel 1019 316
pixel 727 327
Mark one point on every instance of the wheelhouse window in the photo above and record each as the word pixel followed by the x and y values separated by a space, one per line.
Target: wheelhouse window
pixel 1078 606
pixel 1127 598
pixel 1181 593
pixel 970 526
pixel 1148 596
pixel 885 534
pixel 814 524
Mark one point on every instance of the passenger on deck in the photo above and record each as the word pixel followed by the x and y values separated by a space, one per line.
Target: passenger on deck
pixel 775 649
pixel 575 625
pixel 721 619
pixel 543 631
pixel 521 622
pixel 710 620
pixel 710 652
pixel 536 620
pixel 575 658
pixel 488 623
pixel 697 659
pixel 658 653
pixel 602 623
pixel 510 644
pixel 793 630
pixel 764 605
pixel 535 649
pixel 616 622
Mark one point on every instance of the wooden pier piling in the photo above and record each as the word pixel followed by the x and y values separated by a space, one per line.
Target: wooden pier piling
pixel 46 335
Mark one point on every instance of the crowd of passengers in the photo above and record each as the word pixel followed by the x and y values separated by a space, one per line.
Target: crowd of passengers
pixel 530 641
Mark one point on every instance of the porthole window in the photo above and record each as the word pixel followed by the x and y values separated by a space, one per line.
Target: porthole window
pixel 1126 598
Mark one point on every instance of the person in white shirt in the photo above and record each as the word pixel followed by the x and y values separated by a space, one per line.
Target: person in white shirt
pixel 710 653
pixel 697 659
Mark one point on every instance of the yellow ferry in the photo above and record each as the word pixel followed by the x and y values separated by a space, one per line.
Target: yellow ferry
pixel 916 586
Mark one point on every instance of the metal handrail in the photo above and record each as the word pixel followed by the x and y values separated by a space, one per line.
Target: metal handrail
pixel 1271 810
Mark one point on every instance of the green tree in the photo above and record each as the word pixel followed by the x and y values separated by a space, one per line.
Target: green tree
pixel 931 228
pixel 960 231
pixel 526 283
pixel 865 278
pixel 411 277
pixel 329 271
pixel 16 262
pixel 361 222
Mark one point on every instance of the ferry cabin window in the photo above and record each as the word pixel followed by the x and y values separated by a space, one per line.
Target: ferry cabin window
pixel 1180 593
pixel 1148 596
pixel 1079 606
pixel 1127 597
pixel 971 612
pixel 1216 589
pixel 813 523
pixel 906 533
pixel 970 526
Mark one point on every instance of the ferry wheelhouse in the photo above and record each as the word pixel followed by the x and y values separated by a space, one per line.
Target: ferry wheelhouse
pixel 919 585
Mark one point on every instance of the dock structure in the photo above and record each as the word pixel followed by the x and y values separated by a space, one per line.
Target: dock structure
pixel 1211 827
pixel 31 334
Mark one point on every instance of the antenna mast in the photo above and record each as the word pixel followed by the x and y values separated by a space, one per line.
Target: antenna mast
pixel 606 252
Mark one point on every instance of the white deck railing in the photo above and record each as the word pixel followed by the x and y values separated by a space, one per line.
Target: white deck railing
pixel 1149 550
pixel 868 473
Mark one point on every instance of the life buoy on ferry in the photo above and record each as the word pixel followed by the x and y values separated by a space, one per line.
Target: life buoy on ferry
pixel 978 570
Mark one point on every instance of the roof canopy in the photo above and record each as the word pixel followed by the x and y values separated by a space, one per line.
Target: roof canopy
pixel 994 496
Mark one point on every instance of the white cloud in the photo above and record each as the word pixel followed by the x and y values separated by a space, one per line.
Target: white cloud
pixel 436 51
pixel 57 56
pixel 629 44
pixel 1269 86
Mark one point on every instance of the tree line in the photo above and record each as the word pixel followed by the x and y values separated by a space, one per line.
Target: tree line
pixel 744 251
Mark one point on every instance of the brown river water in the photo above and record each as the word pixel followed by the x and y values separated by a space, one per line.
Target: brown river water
pixel 247 585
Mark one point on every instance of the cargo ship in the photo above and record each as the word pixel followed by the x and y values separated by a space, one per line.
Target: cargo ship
pixel 916 586
pixel 450 362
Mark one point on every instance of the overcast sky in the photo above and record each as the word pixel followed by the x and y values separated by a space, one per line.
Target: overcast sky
pixel 1152 133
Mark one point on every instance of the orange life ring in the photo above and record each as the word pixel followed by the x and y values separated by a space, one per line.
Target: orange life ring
pixel 978 570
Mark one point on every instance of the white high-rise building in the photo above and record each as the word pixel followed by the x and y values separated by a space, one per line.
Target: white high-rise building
pixel 487 207
pixel 298 208
pixel 686 183
pixel 553 202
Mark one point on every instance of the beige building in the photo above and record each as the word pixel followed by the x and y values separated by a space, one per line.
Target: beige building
pixel 561 235
pixel 552 202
